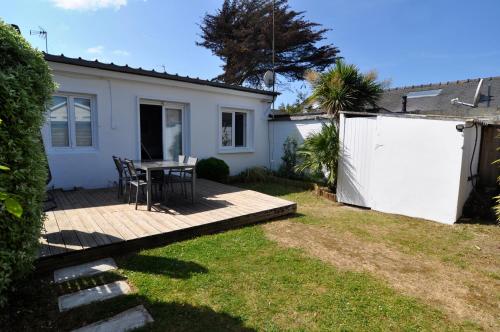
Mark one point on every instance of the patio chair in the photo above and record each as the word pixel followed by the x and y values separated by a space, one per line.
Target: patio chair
pixel 122 177
pixel 135 180
pixel 187 175
pixel 175 174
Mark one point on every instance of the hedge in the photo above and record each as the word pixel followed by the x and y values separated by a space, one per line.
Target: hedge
pixel 25 88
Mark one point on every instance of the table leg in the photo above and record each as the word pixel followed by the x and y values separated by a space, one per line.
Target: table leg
pixel 148 193
pixel 193 185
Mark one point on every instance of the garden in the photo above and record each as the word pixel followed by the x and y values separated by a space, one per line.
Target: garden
pixel 326 267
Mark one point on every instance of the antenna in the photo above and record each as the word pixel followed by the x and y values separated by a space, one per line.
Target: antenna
pixel 43 34
pixel 477 97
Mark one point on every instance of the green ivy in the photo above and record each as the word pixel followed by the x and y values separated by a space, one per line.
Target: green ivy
pixel 25 88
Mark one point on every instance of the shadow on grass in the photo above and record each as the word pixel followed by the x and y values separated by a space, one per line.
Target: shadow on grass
pixel 273 189
pixel 171 267
pixel 167 316
pixel 33 307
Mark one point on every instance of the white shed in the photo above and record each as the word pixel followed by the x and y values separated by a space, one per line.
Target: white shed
pixel 415 165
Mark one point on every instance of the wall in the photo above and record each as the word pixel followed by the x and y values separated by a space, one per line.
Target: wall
pixel 117 98
pixel 279 130
pixel 418 168
pixel 469 135
pixel 357 139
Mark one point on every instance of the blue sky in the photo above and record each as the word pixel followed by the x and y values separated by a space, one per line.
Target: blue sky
pixel 407 42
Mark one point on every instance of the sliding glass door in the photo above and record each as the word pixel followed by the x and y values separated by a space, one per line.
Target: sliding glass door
pixel 173 135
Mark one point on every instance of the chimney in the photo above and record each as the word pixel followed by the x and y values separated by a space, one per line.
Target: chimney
pixel 403 102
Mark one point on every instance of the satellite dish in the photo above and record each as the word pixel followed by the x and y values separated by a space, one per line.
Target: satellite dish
pixel 477 95
pixel 269 78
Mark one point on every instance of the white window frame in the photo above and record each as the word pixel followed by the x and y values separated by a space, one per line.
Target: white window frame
pixel 249 135
pixel 72 123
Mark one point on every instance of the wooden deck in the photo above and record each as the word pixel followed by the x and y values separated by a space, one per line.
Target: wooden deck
pixel 89 224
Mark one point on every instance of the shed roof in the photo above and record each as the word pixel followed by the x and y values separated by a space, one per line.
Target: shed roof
pixel 150 73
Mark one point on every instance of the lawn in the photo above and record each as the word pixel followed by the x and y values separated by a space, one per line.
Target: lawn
pixel 326 268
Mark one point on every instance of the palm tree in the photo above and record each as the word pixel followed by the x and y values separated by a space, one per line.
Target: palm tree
pixel 319 153
pixel 344 88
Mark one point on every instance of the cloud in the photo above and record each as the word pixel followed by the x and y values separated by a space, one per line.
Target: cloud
pixel 121 52
pixel 89 4
pixel 95 50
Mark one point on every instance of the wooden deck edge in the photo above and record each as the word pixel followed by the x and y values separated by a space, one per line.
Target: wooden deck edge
pixel 49 263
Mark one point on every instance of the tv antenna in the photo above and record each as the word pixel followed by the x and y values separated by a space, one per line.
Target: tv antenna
pixel 42 33
pixel 477 97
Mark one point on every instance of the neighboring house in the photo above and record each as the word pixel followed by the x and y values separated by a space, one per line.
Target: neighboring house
pixel 420 154
pixel 100 110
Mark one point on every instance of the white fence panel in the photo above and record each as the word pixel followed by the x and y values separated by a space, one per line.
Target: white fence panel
pixel 357 135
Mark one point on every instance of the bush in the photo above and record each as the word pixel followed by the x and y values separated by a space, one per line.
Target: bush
pixel 320 153
pixel 25 87
pixel 289 158
pixel 213 169
pixel 254 174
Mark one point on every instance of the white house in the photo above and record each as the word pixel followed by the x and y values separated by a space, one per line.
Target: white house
pixel 100 110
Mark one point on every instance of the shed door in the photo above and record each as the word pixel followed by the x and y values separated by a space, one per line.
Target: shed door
pixel 357 143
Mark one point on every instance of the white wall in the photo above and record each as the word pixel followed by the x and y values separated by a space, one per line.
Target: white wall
pixel 417 168
pixel 465 188
pixel 117 97
pixel 279 130
pixel 357 139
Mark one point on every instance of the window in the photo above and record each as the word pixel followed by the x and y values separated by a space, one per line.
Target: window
pixel 425 93
pixel 234 126
pixel 71 121
pixel 173 133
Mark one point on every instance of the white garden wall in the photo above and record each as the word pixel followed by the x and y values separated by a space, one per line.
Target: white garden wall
pixel 419 166
pixel 296 127
pixel 117 97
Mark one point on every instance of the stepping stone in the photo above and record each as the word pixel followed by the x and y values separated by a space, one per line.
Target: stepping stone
pixel 84 270
pixel 94 294
pixel 125 321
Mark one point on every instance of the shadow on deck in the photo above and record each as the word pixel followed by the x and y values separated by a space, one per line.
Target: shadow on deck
pixel 89 224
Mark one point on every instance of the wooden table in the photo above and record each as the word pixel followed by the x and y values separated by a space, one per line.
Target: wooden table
pixel 162 165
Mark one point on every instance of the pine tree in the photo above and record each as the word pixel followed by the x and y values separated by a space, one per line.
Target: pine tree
pixel 240 33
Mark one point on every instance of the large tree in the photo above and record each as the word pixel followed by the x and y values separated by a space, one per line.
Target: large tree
pixel 240 33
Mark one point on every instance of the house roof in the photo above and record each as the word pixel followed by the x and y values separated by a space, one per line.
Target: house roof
pixel 150 73
pixel 435 98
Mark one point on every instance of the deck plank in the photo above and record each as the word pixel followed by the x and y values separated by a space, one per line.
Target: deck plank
pixel 87 220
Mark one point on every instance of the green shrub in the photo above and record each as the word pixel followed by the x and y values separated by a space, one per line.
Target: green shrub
pixel 213 169
pixel 254 174
pixel 289 158
pixel 25 87
pixel 320 153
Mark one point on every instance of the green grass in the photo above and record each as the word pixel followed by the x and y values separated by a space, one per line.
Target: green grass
pixel 242 281
pixel 456 244
pixel 239 279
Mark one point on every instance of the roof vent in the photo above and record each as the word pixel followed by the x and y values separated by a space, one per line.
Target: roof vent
pixel 477 95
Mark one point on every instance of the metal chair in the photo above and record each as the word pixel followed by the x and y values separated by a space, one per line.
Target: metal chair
pixel 135 180
pixel 187 175
pixel 122 177
pixel 175 174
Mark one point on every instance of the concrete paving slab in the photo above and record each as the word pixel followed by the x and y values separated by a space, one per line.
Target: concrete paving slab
pixel 84 270
pixel 94 294
pixel 125 321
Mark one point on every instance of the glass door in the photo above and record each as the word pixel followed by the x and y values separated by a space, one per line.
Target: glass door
pixel 173 136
